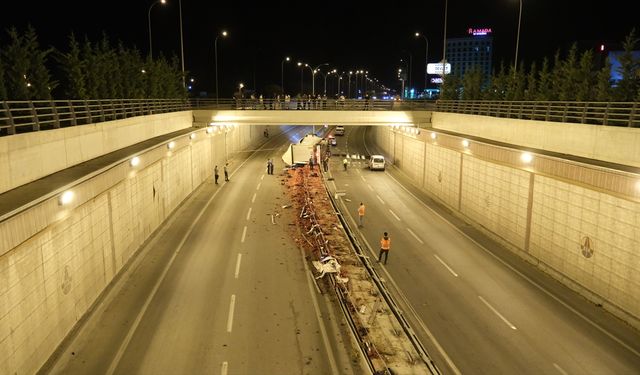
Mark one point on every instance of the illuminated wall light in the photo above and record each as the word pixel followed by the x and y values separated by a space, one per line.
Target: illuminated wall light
pixel 171 145
pixel 192 136
pixel 434 135
pixel 526 157
pixel 66 198
pixel 210 130
pixel 135 161
pixel 465 143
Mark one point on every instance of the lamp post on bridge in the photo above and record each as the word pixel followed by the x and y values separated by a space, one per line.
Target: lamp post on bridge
pixel 282 72
pixel 215 44
pixel 426 57
pixel 515 63
pixel 313 77
pixel 149 19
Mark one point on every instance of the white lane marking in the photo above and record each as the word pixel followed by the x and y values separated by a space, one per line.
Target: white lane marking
pixel 380 199
pixel 446 265
pixel 253 200
pixel 415 236
pixel 319 318
pixel 262 177
pixel 244 233
pixel 224 369
pixel 370 187
pixel 560 369
pixel 362 177
pixel 232 307
pixel 497 313
pixel 238 265
pixel 249 213
pixel 258 188
pixel 394 215
pixel 525 277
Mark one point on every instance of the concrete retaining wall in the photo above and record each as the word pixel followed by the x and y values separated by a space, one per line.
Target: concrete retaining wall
pixel 608 143
pixel 55 261
pixel 27 157
pixel 583 235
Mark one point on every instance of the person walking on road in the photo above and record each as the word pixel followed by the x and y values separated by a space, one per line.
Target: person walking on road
pixel 226 172
pixel 269 166
pixel 344 163
pixel 385 245
pixel 215 174
pixel 361 215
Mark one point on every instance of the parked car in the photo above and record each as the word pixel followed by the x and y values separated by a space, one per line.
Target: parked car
pixel 339 130
pixel 377 162
pixel 332 141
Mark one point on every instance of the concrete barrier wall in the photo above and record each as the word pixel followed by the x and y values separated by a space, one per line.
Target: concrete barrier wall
pixel 584 236
pixel 608 143
pixel 27 157
pixel 55 261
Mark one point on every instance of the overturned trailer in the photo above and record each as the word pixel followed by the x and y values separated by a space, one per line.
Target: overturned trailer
pixel 302 152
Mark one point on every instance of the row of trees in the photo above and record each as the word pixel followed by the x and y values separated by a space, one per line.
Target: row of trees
pixel 85 71
pixel 574 77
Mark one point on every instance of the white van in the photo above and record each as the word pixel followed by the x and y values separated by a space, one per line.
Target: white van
pixel 376 162
pixel 339 130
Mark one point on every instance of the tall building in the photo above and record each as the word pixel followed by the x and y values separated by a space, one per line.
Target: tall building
pixel 472 51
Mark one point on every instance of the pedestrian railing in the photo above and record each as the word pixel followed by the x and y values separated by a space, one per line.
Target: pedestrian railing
pixel 596 113
pixel 35 115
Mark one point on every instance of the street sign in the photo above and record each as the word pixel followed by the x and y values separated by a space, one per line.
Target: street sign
pixel 437 68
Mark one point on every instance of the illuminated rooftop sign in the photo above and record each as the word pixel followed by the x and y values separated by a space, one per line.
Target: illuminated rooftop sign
pixel 479 32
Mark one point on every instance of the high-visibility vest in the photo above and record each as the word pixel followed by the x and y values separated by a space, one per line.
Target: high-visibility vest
pixel 361 210
pixel 385 243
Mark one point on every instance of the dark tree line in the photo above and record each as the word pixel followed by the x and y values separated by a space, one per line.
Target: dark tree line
pixel 85 70
pixel 577 76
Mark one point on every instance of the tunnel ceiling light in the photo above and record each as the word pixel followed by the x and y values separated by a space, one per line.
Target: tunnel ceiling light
pixel 66 198
pixel 192 136
pixel 434 135
pixel 465 143
pixel 526 157
pixel 135 161
pixel 171 145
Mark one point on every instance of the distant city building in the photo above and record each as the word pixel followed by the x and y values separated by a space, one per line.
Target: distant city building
pixel 474 51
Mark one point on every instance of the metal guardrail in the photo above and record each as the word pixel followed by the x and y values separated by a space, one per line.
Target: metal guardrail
pixel 35 115
pixel 596 113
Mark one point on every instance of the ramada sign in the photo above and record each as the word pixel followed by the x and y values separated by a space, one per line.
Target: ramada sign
pixel 484 31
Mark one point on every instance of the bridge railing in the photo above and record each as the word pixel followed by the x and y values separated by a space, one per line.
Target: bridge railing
pixel 35 115
pixel 597 113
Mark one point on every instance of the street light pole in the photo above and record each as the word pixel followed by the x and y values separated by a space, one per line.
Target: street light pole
pixel 349 87
pixel 515 63
pixel 282 72
pixel 426 57
pixel 184 85
pixel 215 47
pixel 149 19
pixel 313 77
pixel 444 40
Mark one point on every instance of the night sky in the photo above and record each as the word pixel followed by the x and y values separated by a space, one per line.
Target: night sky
pixel 348 35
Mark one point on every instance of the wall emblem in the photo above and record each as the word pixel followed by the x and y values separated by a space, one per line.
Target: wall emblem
pixel 586 247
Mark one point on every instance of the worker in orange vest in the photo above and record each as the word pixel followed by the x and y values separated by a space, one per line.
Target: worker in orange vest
pixel 385 245
pixel 361 215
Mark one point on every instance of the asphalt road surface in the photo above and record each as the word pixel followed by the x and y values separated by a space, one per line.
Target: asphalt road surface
pixel 477 308
pixel 221 288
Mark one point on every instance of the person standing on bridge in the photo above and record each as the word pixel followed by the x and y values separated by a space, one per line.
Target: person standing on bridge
pixel 361 215
pixel 215 174
pixel 385 245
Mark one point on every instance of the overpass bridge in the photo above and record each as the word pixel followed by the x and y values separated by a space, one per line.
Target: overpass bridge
pixel 593 167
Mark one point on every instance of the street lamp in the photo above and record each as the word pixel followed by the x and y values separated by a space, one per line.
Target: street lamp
pixel 349 87
pixel 215 47
pixel 282 72
pixel 149 18
pixel 313 76
pixel 515 63
pixel 301 65
pixel 444 40
pixel 181 45
pixel 426 57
